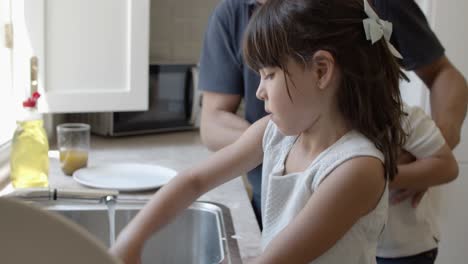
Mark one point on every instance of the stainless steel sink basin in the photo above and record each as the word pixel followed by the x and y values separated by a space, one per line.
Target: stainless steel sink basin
pixel 200 234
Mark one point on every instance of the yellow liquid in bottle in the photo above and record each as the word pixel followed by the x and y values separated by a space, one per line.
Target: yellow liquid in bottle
pixel 72 160
pixel 29 161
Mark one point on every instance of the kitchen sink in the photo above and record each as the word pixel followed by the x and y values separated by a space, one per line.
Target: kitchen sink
pixel 202 233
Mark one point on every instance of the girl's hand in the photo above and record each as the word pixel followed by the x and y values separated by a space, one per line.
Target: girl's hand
pixel 126 251
pixel 404 157
pixel 128 257
pixel 398 196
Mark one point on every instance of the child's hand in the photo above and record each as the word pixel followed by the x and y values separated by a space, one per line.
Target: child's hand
pixel 126 256
pixel 126 251
pixel 416 199
pixel 398 196
pixel 404 157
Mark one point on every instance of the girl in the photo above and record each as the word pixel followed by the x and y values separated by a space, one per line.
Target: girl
pixel 335 110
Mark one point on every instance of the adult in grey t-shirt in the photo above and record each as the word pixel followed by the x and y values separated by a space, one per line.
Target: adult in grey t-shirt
pixel 225 80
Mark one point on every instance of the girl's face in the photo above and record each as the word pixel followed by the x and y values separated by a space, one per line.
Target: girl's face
pixel 298 113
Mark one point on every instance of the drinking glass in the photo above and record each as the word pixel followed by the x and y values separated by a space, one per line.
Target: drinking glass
pixel 73 145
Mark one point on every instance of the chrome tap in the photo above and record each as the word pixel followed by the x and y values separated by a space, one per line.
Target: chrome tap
pixel 40 194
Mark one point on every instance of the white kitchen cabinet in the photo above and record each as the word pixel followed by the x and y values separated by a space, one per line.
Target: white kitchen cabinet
pixel 83 56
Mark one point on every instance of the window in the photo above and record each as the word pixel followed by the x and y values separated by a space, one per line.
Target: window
pixel 7 103
pixel 7 122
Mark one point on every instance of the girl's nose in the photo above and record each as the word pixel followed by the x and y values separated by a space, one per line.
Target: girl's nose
pixel 260 92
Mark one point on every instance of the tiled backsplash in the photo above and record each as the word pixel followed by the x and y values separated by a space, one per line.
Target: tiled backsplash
pixel 177 29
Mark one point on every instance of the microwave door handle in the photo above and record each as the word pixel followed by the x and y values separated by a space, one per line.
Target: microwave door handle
pixel 196 100
pixel 188 91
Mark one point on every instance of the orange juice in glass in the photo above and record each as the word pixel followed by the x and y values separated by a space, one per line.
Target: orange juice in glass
pixel 73 144
pixel 72 160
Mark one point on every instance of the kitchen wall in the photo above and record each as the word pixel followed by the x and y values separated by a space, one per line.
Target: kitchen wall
pixel 177 29
pixel 450 21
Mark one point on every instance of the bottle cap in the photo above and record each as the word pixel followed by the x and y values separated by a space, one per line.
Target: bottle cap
pixel 31 101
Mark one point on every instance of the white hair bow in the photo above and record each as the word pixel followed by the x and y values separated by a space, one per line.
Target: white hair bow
pixel 377 28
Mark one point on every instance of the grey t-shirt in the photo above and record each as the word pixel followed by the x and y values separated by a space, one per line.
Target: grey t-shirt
pixel 222 68
pixel 411 35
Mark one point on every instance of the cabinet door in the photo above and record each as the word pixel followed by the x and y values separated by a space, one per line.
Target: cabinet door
pixel 83 56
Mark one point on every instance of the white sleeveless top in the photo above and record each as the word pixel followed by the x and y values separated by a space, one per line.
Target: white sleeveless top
pixel 284 196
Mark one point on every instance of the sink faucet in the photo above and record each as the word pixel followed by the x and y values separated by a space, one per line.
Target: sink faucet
pixel 110 199
pixel 99 195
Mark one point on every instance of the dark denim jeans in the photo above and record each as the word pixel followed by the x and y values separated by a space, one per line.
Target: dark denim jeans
pixel 427 257
pixel 256 204
pixel 255 179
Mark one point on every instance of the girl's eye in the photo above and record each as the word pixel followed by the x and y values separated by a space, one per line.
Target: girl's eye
pixel 269 76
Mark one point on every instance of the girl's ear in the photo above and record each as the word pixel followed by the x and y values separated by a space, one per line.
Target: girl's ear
pixel 324 67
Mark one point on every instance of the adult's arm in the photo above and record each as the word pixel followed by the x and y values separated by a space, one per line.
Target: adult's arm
pixel 449 97
pixel 221 78
pixel 220 126
pixel 424 54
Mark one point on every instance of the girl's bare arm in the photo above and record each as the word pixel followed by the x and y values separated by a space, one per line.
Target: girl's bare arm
pixel 434 163
pixel 439 168
pixel 233 160
pixel 349 192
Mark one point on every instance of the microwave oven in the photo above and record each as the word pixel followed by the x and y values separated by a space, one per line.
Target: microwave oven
pixel 174 105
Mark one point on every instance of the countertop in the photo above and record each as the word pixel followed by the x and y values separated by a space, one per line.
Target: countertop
pixel 178 151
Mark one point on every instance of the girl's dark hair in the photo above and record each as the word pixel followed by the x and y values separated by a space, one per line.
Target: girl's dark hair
pixel 369 96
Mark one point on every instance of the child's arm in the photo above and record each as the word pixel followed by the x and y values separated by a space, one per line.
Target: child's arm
pixel 348 193
pixel 434 164
pixel 438 168
pixel 241 156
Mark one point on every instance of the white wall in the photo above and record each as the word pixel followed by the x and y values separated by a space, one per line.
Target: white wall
pixel 450 22
pixel 449 19
pixel 181 42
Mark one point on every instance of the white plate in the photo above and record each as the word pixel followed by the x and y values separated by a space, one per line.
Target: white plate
pixel 125 176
